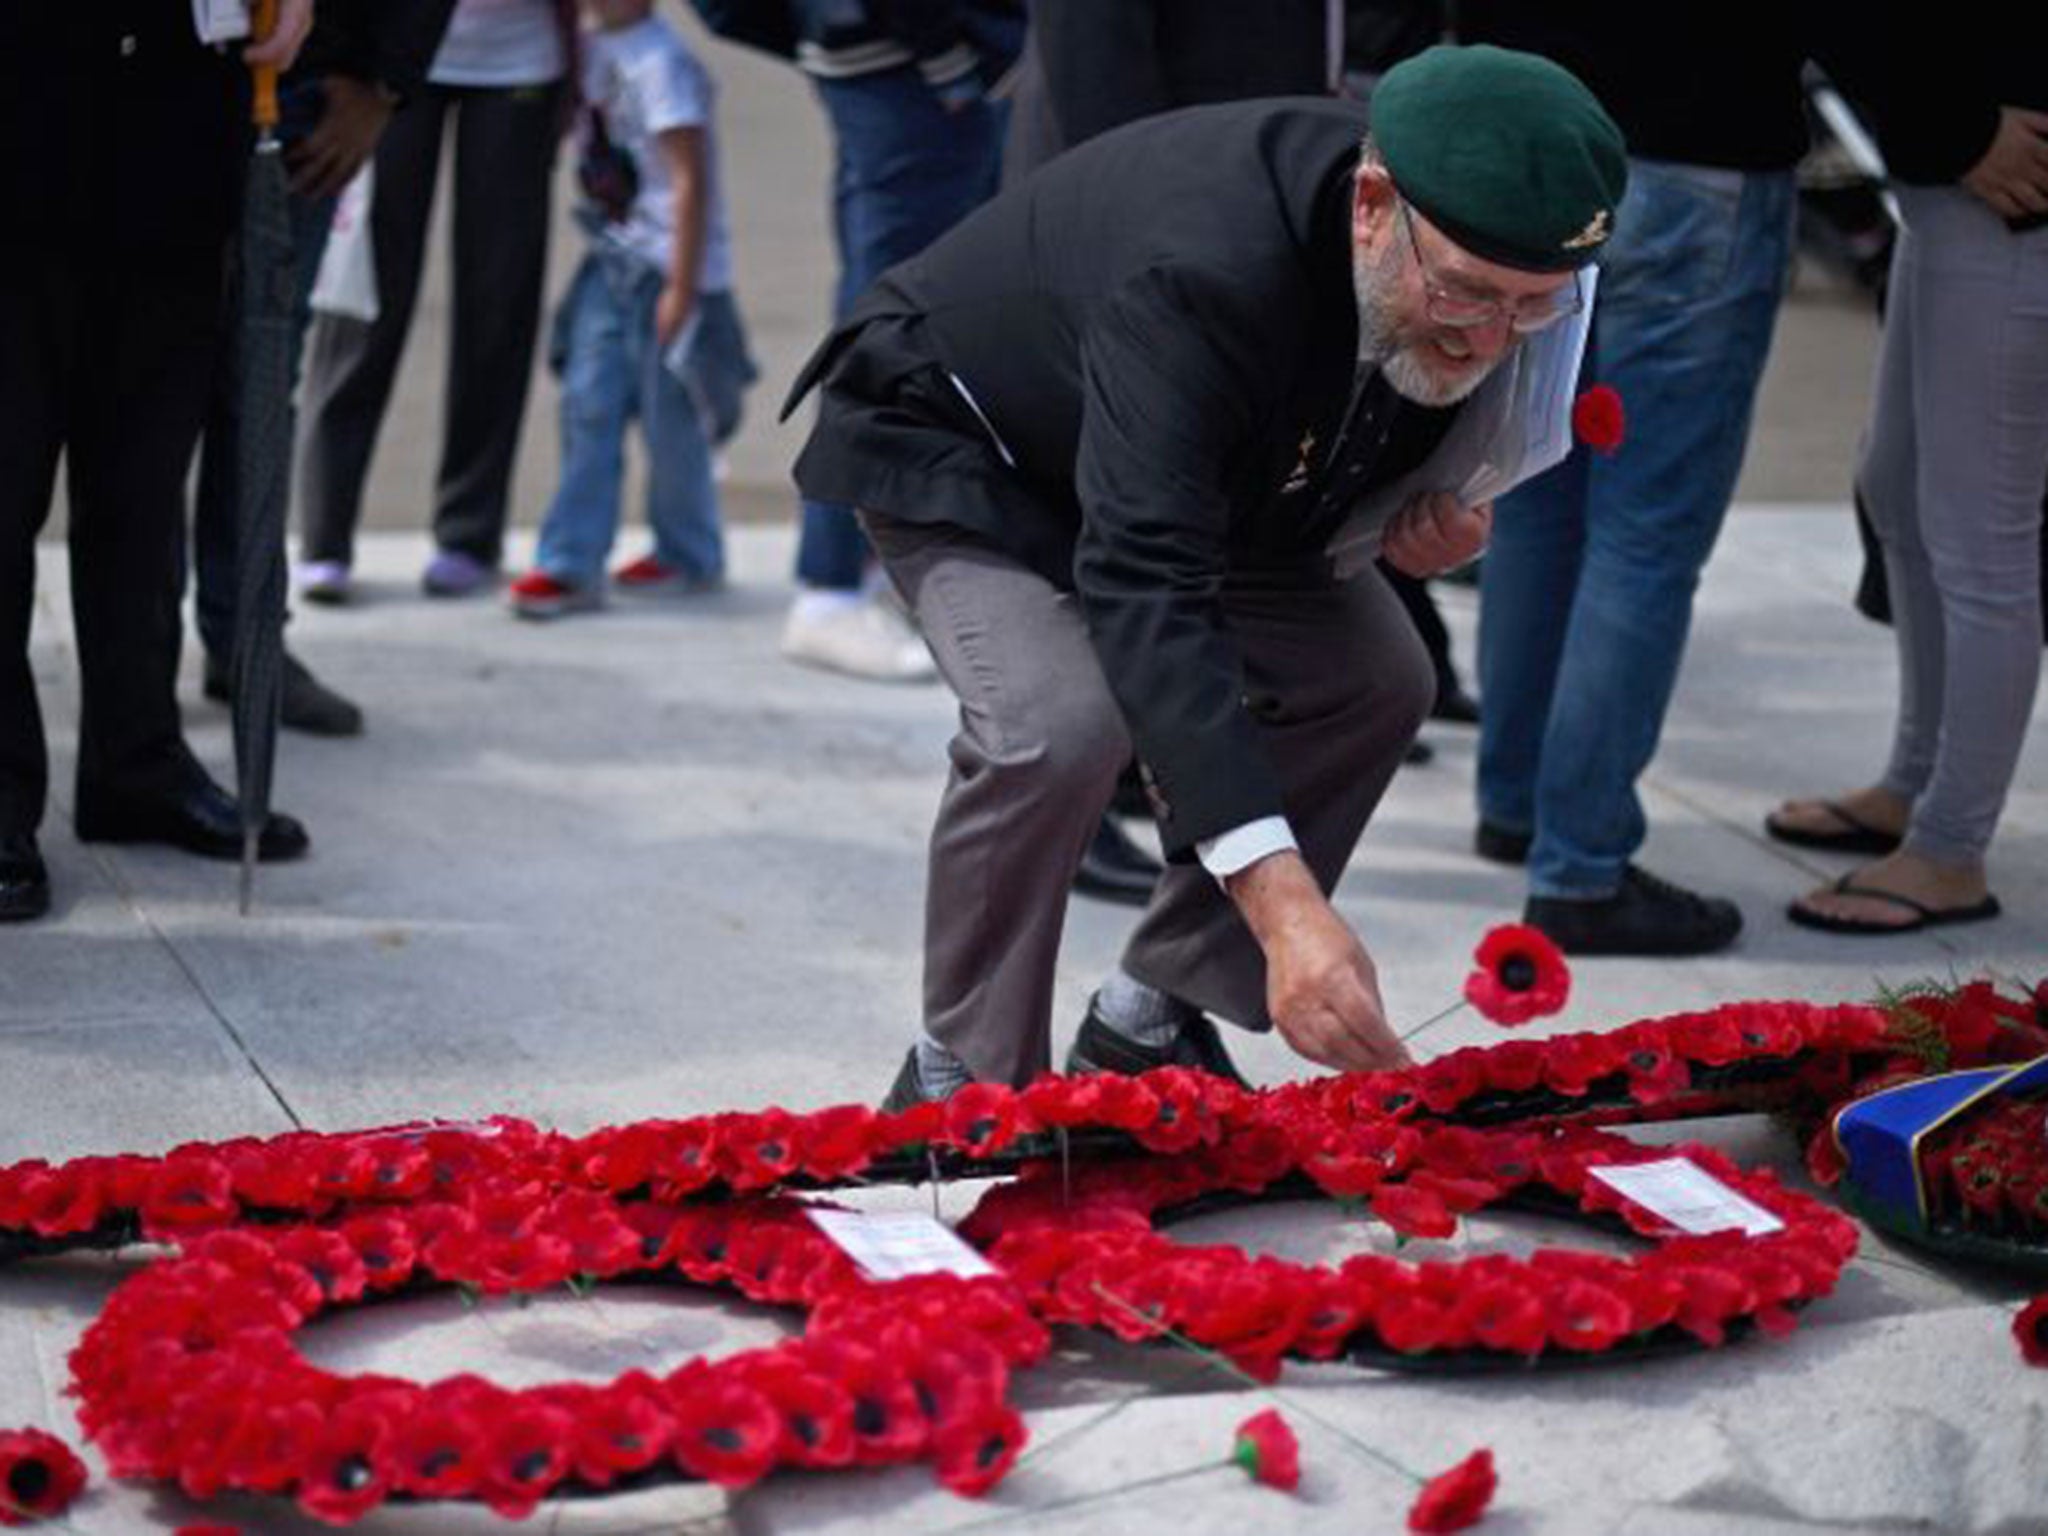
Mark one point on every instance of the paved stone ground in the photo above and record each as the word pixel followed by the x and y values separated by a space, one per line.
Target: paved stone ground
pixel 634 864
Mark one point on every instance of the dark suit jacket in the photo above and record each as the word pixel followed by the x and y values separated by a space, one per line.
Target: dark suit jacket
pixel 119 131
pixel 1154 343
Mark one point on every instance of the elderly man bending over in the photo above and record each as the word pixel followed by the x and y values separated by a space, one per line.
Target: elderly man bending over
pixel 1103 435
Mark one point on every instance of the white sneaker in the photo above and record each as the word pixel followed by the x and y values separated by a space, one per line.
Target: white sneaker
pixel 323 581
pixel 860 638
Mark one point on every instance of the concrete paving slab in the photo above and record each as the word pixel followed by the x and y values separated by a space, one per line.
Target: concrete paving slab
pixel 635 864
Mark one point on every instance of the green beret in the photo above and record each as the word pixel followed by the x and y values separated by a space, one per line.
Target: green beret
pixel 1505 152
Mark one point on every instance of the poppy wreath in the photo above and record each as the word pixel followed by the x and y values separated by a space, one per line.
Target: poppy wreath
pixel 1738 1056
pixel 107 1201
pixel 1087 1249
pixel 190 1373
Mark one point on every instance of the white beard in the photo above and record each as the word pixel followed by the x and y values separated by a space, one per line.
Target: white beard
pixel 1400 360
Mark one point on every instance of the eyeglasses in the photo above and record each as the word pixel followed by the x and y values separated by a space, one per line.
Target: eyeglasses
pixel 1467 311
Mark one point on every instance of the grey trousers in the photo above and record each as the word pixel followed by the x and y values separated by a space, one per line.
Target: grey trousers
pixel 1953 469
pixel 1334 673
pixel 504 157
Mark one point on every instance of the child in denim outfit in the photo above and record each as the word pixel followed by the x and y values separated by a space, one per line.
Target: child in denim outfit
pixel 648 327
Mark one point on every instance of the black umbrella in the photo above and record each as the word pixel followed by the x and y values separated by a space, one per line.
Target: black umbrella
pixel 266 293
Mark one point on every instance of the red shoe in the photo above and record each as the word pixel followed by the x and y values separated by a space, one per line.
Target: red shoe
pixel 651 577
pixel 537 595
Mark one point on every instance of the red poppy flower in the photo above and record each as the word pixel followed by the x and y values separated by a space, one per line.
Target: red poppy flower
pixel 526 1454
pixel 1267 1450
pixel 208 1530
pixel 973 1449
pixel 39 1476
pixel 443 1449
pixel 621 1428
pixel 2031 1329
pixel 1521 975
pixel 1585 1316
pixel 189 1192
pixel 1454 1500
pixel 1598 420
pixel 348 1471
pixel 1413 1211
pixel 1504 1314
pixel 838 1141
pixel 725 1432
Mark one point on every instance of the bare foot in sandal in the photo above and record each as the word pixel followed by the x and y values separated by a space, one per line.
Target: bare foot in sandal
pixel 1896 895
pixel 1870 820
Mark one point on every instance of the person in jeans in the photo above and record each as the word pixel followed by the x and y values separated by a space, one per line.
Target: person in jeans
pixel 1587 592
pixel 649 314
pixel 917 144
pixel 497 84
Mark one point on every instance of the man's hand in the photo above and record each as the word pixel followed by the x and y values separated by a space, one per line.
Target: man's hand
pixel 1320 985
pixel 352 120
pixel 294 21
pixel 2013 175
pixel 1434 534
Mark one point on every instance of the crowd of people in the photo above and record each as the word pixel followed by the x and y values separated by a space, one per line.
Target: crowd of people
pixel 1107 381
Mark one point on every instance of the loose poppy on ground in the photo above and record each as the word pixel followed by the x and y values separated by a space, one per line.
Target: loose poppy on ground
pixel 1267 1450
pixel 1454 1500
pixel 39 1476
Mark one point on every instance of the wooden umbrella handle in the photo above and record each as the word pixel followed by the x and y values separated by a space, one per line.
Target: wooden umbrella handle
pixel 263 22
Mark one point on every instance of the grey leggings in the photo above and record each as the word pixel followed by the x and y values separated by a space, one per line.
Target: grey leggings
pixel 1953 470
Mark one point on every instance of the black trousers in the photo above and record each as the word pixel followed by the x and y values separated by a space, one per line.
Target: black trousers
pixel 105 361
pixel 504 158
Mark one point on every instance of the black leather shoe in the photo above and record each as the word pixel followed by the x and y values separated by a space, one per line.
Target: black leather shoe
pixel 1116 869
pixel 1099 1048
pixel 1502 846
pixel 307 704
pixel 1418 752
pixel 200 818
pixel 1647 916
pixel 1454 705
pixel 24 881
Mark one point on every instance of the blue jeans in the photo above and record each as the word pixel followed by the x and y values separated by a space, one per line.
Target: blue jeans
pixel 1587 591
pixel 906 171
pixel 612 372
pixel 214 506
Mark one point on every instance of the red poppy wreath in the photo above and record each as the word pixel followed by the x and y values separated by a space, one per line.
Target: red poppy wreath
pixel 1087 1250
pixel 191 1373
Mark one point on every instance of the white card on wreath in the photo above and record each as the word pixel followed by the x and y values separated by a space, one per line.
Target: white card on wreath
pixel 1686 1195
pixel 894 1245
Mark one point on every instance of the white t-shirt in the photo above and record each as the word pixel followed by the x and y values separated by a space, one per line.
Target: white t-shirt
pixel 644 81
pixel 501 43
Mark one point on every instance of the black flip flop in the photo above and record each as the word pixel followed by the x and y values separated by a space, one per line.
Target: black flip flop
pixel 1856 835
pixel 1924 916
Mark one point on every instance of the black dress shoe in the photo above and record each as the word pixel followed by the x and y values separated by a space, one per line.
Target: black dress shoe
pixel 307 704
pixel 1497 843
pixel 1098 1047
pixel 1116 869
pixel 1647 916
pixel 24 881
pixel 200 818
pixel 1418 752
pixel 1455 705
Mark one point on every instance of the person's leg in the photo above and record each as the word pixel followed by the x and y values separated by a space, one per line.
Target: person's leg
pixel 1966 359
pixel 1039 745
pixel 136 425
pixel 1340 682
pixel 598 386
pixel 504 163
pixel 351 364
pixel 1688 297
pixel 905 171
pixel 682 497
pixel 1525 597
pixel 39 309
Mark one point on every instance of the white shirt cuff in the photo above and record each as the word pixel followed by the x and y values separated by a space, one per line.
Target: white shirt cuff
pixel 1242 847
